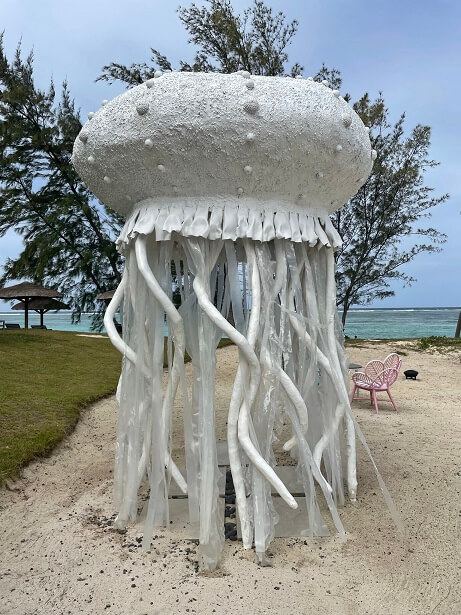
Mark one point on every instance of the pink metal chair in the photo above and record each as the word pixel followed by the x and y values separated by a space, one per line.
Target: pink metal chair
pixel 378 376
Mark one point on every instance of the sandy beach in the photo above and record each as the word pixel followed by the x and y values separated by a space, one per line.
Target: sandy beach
pixel 61 555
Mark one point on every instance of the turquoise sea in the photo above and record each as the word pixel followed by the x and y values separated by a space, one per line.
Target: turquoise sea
pixel 374 323
pixel 380 323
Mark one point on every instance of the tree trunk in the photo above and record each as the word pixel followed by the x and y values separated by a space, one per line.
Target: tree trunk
pixel 346 306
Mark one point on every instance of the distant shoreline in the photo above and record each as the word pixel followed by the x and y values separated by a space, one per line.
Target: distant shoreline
pixel 355 309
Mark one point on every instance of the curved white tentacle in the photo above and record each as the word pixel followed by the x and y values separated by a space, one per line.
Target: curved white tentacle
pixel 332 343
pixel 112 332
pixel 253 362
pixel 331 369
pixel 289 386
pixel 235 462
pixel 326 366
pixel 172 313
pixel 129 353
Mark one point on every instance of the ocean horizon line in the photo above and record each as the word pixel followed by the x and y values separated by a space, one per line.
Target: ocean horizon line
pixel 354 309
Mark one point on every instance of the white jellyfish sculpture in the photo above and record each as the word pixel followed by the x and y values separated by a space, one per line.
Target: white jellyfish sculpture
pixel 231 178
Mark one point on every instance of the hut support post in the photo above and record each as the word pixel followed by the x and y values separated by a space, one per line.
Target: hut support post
pixel 26 312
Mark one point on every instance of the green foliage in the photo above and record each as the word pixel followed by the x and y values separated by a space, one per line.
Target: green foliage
pixel 68 238
pixel 47 377
pixel 380 225
pixel 255 41
pixel 441 342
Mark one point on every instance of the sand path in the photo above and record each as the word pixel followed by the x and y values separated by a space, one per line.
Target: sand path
pixel 60 554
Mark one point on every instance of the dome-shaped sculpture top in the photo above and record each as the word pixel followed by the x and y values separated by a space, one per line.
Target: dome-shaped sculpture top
pixel 200 140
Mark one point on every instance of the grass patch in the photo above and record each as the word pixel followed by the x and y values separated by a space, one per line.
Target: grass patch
pixel 46 379
pixel 441 343
pixel 435 342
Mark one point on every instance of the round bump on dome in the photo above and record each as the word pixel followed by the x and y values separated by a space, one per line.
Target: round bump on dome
pixel 107 179
pixel 310 79
pixel 319 174
pixel 149 143
pixel 374 154
pixel 248 169
pixel 142 108
pixel 325 82
pixel 250 137
pixel 250 84
pixel 90 115
pixel 347 120
pixel 240 191
pixel 157 74
pixel 83 137
pixel 251 106
pixel 104 102
pixel 150 83
pixel 337 93
pixel 298 77
pixel 339 148
pixel 245 74
pixel 91 159
pixel 161 168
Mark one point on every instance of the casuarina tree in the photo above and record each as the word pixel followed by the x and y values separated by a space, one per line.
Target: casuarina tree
pixel 382 226
pixel 68 236
pixel 256 41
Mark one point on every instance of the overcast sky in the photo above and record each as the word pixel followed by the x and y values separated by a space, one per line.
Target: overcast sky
pixel 409 49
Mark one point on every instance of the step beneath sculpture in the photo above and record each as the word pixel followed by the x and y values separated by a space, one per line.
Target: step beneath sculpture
pixel 292 523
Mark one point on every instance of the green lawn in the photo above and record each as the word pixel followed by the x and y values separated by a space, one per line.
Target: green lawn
pixel 46 377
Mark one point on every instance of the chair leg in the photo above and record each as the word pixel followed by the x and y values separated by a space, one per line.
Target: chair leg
pixel 375 401
pixel 353 393
pixel 371 397
pixel 392 400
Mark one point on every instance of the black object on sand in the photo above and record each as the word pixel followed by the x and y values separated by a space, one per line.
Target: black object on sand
pixel 410 374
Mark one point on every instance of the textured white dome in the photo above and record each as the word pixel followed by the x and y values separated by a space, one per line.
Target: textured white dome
pixel 211 140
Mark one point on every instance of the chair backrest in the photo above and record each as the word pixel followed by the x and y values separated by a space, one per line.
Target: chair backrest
pixel 387 377
pixel 393 360
pixel 373 368
pixel 12 325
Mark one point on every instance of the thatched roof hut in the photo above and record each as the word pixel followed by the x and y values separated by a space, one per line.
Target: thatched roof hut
pixel 26 292
pixel 41 306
